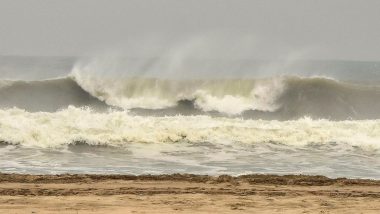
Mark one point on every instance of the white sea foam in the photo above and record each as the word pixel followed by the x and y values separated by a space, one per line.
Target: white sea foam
pixel 119 128
pixel 231 96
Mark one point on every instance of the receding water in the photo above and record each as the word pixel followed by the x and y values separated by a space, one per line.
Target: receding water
pixel 333 160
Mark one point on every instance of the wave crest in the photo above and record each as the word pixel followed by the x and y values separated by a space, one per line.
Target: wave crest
pixel 279 98
pixel 230 96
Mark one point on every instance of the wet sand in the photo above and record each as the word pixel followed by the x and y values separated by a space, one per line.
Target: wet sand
pixel 186 194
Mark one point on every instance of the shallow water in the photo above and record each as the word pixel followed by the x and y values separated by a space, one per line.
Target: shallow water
pixel 332 160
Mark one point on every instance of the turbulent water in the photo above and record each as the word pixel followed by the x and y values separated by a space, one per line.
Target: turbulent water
pixel 280 98
pixel 87 122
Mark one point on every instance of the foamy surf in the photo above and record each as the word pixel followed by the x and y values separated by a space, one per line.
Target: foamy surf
pixel 77 140
pixel 119 128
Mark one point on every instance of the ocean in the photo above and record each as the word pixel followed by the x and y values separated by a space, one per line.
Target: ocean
pixel 123 115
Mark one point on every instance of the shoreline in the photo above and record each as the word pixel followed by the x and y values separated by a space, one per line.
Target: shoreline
pixel 186 193
pixel 290 179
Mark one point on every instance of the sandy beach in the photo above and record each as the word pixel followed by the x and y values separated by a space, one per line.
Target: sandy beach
pixel 185 106
pixel 186 194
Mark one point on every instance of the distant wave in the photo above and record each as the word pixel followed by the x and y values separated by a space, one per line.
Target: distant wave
pixel 280 98
pixel 118 128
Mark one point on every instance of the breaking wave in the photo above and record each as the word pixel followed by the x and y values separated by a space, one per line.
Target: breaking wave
pixel 230 96
pixel 280 98
pixel 119 128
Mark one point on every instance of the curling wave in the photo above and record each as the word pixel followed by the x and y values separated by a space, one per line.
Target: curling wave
pixel 229 96
pixel 280 98
pixel 45 95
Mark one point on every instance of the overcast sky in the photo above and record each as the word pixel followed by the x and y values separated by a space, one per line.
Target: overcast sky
pixel 328 29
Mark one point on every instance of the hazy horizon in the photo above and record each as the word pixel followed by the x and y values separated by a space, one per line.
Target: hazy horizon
pixel 318 30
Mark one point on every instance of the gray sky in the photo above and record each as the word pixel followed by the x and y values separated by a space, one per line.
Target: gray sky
pixel 328 29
